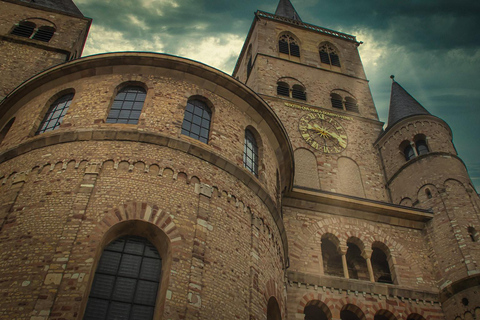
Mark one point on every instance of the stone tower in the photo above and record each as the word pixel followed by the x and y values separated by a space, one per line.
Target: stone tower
pixel 36 35
pixel 423 170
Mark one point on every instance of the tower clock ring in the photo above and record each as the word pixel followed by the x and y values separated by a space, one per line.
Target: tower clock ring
pixel 323 132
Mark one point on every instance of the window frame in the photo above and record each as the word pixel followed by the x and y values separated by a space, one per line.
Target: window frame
pixel 206 107
pixel 50 112
pixel 292 48
pixel 330 53
pixel 122 90
pixel 251 144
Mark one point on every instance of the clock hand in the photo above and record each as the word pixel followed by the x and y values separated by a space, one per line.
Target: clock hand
pixel 340 140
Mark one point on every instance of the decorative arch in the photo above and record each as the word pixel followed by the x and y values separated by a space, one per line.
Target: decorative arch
pixel 306 171
pixel 349 180
pixel 317 310
pixel 351 312
pixel 316 298
pixel 272 290
pixel 407 202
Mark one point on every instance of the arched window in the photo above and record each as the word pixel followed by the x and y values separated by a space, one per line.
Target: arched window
pixel 273 310
pixel 409 152
pixel 422 147
pixel 328 55
pixel 473 234
pixel 127 106
pixel 332 260
pixel 196 121
pixel 249 61
pixel 283 89
pixel 298 92
pixel 126 281
pixel 351 104
pixel 428 193
pixel 337 101
pixel 5 129
pixel 351 312
pixel 54 116
pixel 317 310
pixel 250 153
pixel 24 29
pixel 380 265
pixel 288 45
pixel 44 34
pixel 357 265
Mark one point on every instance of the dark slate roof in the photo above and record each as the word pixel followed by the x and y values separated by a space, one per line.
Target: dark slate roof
pixel 403 105
pixel 66 6
pixel 286 9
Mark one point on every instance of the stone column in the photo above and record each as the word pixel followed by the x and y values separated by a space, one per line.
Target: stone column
pixel 367 255
pixel 343 251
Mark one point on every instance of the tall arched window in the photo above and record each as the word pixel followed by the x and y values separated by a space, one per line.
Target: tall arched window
pixel 273 310
pixel 317 310
pixel 332 260
pixel 44 34
pixel 328 55
pixel 422 147
pixel 357 265
pixel 54 116
pixel 196 121
pixel 409 152
pixel 24 29
pixel 380 264
pixel 250 153
pixel 126 281
pixel 288 45
pixel 298 92
pixel 127 106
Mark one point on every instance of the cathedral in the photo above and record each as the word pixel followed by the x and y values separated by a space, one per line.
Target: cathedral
pixel 148 186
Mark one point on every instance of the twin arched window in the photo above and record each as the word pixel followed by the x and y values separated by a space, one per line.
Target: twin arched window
pixel 126 281
pixel 414 149
pixel 54 116
pixel 27 29
pixel 288 45
pixel 127 106
pixel 328 55
pixel 297 92
pixel 349 104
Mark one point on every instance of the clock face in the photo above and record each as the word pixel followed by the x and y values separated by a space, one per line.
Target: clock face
pixel 323 133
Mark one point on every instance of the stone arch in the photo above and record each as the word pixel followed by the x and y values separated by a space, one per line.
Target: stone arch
pixel 316 298
pixel 384 314
pixel 272 290
pixel 332 260
pixel 306 171
pixel 6 129
pixel 273 309
pixel 427 192
pixel 349 180
pixel 317 310
pixel 407 202
pixel 351 311
pixel 356 262
pixel 383 264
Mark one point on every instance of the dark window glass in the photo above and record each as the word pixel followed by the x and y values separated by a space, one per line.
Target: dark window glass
pixel 196 121
pixel 334 59
pixel 324 57
pixel 328 55
pixel 422 147
pixel 126 281
pixel 351 104
pixel 336 101
pixel 250 153
pixel 44 34
pixel 24 29
pixel 287 45
pixel 409 153
pixel 298 93
pixel 283 89
pixel 294 49
pixel 127 106
pixel 54 116
pixel 283 46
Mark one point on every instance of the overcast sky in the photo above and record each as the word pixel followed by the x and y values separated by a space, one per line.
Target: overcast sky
pixel 431 46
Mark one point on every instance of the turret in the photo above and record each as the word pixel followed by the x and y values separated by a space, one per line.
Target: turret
pixel 424 171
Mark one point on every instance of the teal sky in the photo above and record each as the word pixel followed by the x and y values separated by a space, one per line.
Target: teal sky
pixel 431 46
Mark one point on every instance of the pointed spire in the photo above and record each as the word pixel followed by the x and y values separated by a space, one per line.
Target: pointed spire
pixel 402 104
pixel 286 9
pixel 67 6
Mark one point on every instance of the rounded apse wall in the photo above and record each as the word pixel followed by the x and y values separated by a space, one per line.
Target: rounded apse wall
pixel 87 180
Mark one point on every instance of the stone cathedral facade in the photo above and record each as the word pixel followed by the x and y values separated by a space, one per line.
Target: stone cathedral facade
pixel 147 186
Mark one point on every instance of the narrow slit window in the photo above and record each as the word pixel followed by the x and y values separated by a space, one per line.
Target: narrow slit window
pixel 54 116
pixel 250 153
pixel 127 106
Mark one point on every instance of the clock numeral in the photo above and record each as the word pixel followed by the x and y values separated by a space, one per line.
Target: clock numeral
pixel 315 145
pixel 320 116
pixel 326 149
pixel 337 150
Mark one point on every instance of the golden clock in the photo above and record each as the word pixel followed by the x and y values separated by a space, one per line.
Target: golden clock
pixel 323 133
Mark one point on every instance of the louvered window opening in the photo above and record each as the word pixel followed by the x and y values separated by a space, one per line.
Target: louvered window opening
pixel 250 153
pixel 196 121
pixel 299 93
pixel 329 56
pixel 294 50
pixel 127 106
pixel 44 34
pixel 126 281
pixel 422 147
pixel 337 102
pixel 351 105
pixel 54 116
pixel 283 90
pixel 24 29
pixel 287 45
pixel 409 153
pixel 283 46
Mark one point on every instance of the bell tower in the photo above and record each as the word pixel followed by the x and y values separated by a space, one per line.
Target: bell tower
pixel 314 80
pixel 36 35
pixel 424 171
